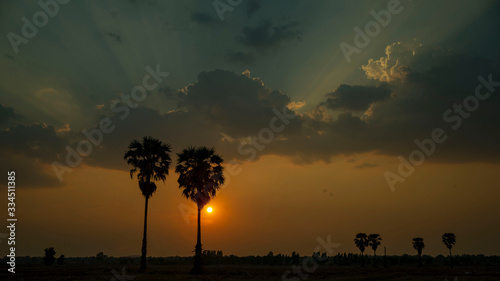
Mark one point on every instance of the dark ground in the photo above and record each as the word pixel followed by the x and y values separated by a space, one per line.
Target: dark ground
pixel 73 272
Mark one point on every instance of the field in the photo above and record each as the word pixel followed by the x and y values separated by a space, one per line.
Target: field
pixel 73 272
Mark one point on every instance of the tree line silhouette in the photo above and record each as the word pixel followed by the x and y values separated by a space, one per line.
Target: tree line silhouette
pixel 362 241
pixel 216 257
pixel 209 257
pixel 200 176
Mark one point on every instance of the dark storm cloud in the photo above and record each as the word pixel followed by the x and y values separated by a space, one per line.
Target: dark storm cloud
pixel 204 18
pixel 27 150
pixel 237 104
pixel 422 99
pixel 180 129
pixel 417 107
pixel 6 116
pixel 266 35
pixel 36 140
pixel 356 98
pixel 171 94
pixel 222 108
pixel 218 110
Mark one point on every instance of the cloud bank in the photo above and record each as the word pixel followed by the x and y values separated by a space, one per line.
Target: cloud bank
pixel 223 108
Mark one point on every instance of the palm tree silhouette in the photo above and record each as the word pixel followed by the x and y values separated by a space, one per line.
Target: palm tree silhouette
pixel 449 241
pixel 151 161
pixel 374 242
pixel 200 176
pixel 418 244
pixel 361 241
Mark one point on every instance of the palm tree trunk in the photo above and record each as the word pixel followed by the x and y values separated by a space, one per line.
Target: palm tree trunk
pixel 451 259
pixel 362 260
pixel 144 238
pixel 385 257
pixel 197 249
pixel 420 258
pixel 375 257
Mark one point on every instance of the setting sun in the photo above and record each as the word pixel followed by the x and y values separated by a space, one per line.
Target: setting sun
pixel 209 209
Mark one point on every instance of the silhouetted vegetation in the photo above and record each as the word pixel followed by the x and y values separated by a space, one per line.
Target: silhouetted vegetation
pixel 295 258
pixel 200 176
pixel 151 161
pixel 374 242
pixel 60 260
pixel 100 257
pixel 212 258
pixel 361 242
pixel 418 244
pixel 449 240
pixel 49 258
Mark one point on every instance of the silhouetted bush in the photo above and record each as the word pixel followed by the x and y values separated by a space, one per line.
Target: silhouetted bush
pixel 49 258
pixel 60 260
pixel 100 257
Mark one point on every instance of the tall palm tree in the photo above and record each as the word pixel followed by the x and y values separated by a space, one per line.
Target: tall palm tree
pixel 374 242
pixel 361 242
pixel 151 161
pixel 418 244
pixel 449 241
pixel 200 176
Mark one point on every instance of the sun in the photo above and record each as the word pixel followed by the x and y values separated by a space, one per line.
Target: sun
pixel 209 209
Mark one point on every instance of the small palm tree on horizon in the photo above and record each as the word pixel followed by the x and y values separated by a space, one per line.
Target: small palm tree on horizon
pixel 449 240
pixel 200 176
pixel 151 161
pixel 374 242
pixel 418 244
pixel 361 241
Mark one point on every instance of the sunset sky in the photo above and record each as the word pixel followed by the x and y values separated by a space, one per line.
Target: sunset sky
pixel 327 130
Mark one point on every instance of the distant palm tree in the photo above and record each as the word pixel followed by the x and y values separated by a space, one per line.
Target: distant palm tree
pixel 151 161
pixel 200 176
pixel 449 241
pixel 374 242
pixel 418 244
pixel 361 242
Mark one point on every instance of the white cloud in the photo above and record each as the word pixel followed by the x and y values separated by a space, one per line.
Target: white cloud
pixel 396 63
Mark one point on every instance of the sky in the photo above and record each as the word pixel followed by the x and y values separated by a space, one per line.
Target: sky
pixel 332 117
